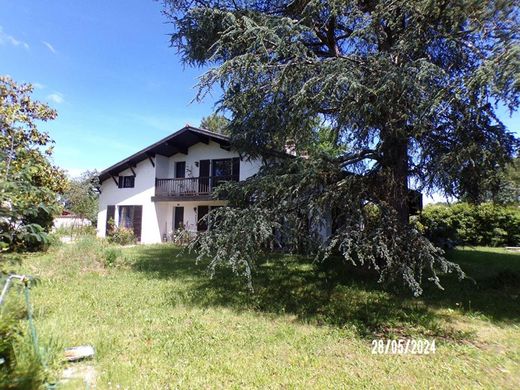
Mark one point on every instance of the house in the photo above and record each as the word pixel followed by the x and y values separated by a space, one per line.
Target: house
pixel 168 185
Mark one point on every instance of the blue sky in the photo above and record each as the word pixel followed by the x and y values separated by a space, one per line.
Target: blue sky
pixel 107 67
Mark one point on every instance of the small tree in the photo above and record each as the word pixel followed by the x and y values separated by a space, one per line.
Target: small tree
pixel 29 183
pixel 81 196
pixel 216 123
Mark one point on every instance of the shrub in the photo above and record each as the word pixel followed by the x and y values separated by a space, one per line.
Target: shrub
pixel 19 366
pixel 122 236
pixel 464 224
pixel 181 236
pixel 89 254
pixel 111 255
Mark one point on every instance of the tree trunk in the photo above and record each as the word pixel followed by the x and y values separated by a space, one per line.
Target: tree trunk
pixel 394 174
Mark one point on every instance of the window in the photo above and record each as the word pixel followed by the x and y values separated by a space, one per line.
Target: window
pixel 202 224
pixel 224 170
pixel 178 218
pixel 131 217
pixel 126 216
pixel 222 167
pixel 180 169
pixel 126 181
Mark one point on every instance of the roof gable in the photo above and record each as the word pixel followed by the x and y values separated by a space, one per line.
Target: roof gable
pixel 178 142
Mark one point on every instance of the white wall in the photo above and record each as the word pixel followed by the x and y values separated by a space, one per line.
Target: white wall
pixel 162 167
pixel 67 222
pixel 211 151
pixel 141 194
pixel 158 216
pixel 190 214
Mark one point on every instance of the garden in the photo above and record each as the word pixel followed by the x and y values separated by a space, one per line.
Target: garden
pixel 156 319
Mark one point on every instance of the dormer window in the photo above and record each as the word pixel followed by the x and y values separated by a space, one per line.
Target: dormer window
pixel 126 181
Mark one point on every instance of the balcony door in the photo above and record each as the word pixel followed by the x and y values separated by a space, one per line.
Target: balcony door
pixel 180 169
pixel 204 176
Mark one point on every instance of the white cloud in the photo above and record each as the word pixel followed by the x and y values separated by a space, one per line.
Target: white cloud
pixel 6 39
pixel 56 97
pixel 38 85
pixel 49 46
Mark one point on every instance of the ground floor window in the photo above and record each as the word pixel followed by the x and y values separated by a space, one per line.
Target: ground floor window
pixel 178 218
pixel 202 224
pixel 129 217
pixel 126 216
pixel 202 211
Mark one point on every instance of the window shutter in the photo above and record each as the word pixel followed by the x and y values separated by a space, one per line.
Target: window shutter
pixel 137 221
pixel 111 213
pixel 236 169
pixel 120 180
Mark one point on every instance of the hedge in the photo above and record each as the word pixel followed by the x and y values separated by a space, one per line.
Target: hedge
pixel 464 224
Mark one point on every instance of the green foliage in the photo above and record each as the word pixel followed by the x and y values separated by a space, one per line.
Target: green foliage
pixel 216 123
pixel 111 255
pixel 81 195
pixel 122 236
pixel 19 367
pixel 506 187
pixel 421 71
pixel 23 224
pixel 29 183
pixel 286 205
pixel 465 224
pixel 405 88
pixel 181 236
pixel 75 231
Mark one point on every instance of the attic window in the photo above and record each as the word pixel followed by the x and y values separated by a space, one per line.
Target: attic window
pixel 126 181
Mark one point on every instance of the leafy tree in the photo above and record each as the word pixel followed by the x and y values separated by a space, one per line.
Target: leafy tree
pixel 408 87
pixel 505 188
pixel 215 122
pixel 29 183
pixel 81 196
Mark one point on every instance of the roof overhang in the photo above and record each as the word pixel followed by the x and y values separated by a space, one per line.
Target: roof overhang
pixel 178 142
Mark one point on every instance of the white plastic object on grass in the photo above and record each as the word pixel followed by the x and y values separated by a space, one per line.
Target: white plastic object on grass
pixel 77 353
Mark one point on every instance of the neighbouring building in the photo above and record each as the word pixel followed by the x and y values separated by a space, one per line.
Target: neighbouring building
pixel 68 219
pixel 168 185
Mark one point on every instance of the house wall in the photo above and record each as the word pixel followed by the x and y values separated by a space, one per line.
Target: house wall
pixel 141 194
pixel 209 151
pixel 166 219
pixel 162 167
pixel 157 218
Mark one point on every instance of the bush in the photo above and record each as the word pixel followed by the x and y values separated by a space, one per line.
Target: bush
pixel 19 366
pixel 122 236
pixel 111 255
pixel 464 224
pixel 181 236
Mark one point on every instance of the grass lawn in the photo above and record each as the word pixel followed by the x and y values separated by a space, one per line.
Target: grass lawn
pixel 157 321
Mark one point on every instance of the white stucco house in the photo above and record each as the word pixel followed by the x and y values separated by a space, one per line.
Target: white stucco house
pixel 168 185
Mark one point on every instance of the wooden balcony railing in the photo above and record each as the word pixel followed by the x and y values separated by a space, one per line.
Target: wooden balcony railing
pixel 189 186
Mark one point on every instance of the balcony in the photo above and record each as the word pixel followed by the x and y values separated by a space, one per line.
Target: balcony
pixel 189 188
